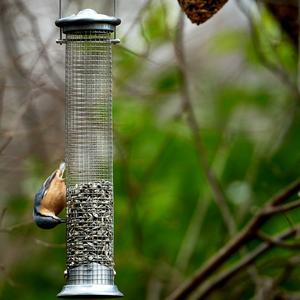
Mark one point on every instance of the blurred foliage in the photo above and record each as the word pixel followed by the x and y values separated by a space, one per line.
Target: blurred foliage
pixel 166 221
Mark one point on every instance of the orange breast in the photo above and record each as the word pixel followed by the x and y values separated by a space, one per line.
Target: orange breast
pixel 55 199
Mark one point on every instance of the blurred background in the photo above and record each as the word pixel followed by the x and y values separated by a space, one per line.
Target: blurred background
pixel 206 129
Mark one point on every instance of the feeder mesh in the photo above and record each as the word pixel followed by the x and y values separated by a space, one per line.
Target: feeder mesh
pixel 89 149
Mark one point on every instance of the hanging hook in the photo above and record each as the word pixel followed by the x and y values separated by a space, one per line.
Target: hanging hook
pixel 60 16
pixel 115 40
pixel 59 9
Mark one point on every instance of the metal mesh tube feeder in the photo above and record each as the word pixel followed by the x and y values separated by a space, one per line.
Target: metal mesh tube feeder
pixel 89 154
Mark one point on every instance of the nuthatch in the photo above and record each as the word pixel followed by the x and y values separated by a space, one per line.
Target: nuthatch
pixel 50 200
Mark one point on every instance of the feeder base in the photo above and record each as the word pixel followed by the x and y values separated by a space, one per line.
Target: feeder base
pixel 90 281
pixel 90 291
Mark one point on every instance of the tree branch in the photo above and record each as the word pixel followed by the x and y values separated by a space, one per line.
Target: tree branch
pixel 275 242
pixel 282 208
pixel 222 278
pixel 245 235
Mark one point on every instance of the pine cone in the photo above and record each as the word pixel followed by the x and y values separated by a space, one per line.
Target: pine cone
pixel 200 11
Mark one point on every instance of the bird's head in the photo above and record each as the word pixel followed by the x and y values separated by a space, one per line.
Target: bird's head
pixel 46 222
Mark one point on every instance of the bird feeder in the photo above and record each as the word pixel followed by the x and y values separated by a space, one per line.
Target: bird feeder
pixel 89 154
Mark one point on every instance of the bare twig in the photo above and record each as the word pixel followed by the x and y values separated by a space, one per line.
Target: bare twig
pixel 139 55
pixel 222 278
pixel 2 215
pixel 14 227
pixel 282 208
pixel 5 143
pixel 138 17
pixel 7 277
pixel 36 34
pixel 20 74
pixel 245 235
pixel 276 69
pixel 274 291
pixel 49 245
pixel 191 237
pixel 276 242
pixel 292 262
pixel 187 108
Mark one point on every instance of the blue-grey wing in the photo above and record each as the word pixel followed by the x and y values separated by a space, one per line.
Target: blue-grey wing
pixel 43 189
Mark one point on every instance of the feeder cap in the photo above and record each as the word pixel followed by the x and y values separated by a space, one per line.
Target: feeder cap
pixel 88 19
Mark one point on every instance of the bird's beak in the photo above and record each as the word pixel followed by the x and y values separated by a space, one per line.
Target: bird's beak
pixel 62 168
pixel 59 219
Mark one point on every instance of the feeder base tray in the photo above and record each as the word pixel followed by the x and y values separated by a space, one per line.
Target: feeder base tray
pixel 90 291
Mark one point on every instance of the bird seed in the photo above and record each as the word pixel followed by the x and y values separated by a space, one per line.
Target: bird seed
pixel 90 224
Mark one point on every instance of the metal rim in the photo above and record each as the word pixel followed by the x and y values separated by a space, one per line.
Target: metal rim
pixel 87 16
pixel 90 291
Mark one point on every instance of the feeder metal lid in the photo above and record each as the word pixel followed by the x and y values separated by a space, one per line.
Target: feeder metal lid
pixel 87 17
